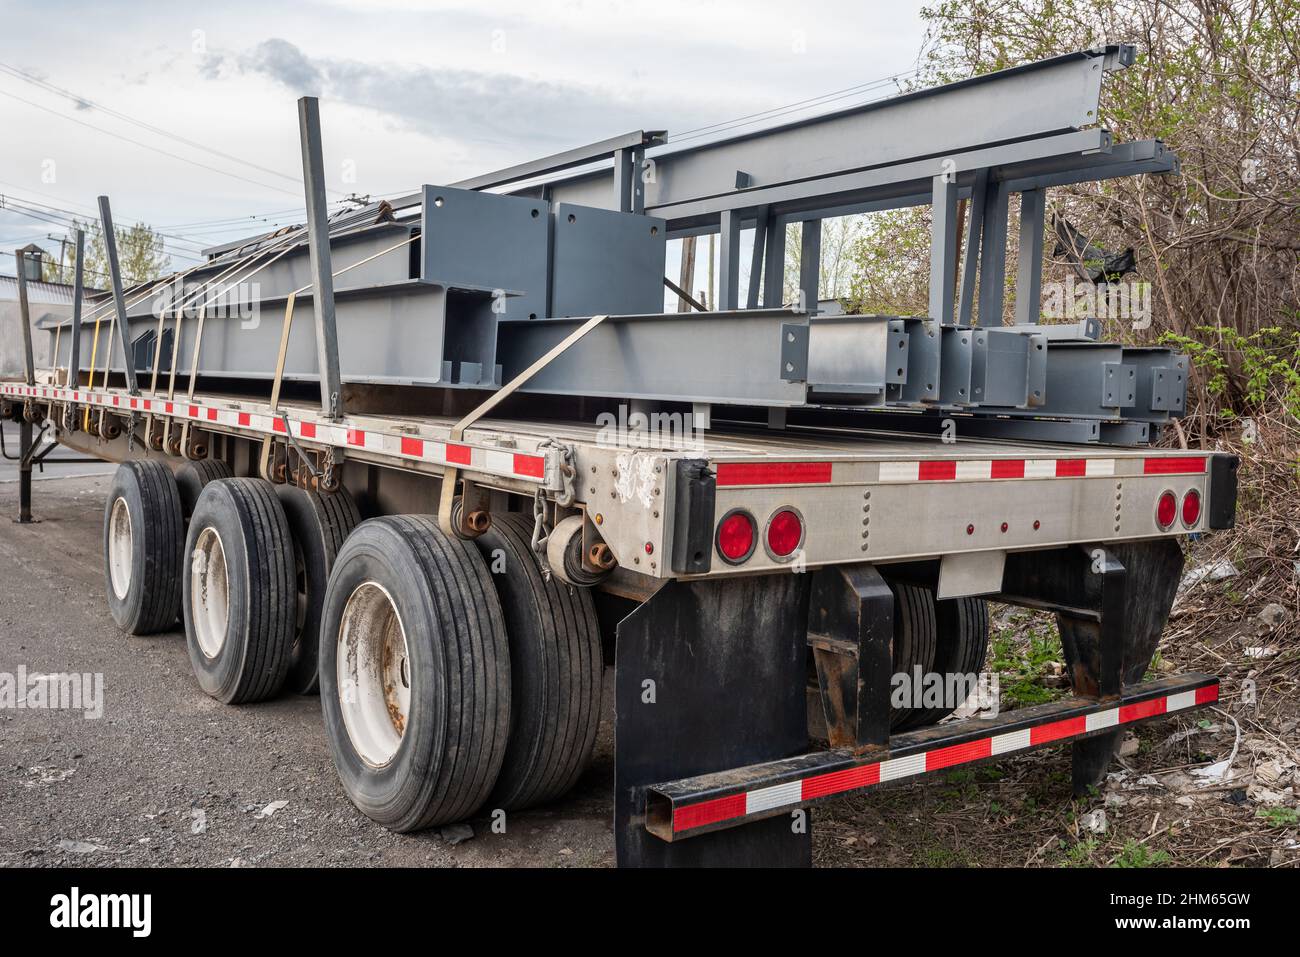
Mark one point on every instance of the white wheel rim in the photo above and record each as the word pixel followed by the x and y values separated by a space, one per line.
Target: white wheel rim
pixel 209 592
pixel 373 670
pixel 119 548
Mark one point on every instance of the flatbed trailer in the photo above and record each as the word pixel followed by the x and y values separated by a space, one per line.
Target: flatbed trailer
pixel 761 555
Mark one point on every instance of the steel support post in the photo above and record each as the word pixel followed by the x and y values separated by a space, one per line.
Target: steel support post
pixel 851 632
pixel 624 171
pixel 74 356
pixel 729 262
pixel 318 241
pixel 119 301
pixel 24 470
pixel 810 264
pixel 1029 266
pixel 993 255
pixel 944 247
pixel 774 264
pixel 756 259
pixel 971 258
pixel 25 317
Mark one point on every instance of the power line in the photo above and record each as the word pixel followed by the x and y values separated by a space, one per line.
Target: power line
pixel 55 220
pixel 147 146
pixel 84 101
pixel 790 107
pixel 76 218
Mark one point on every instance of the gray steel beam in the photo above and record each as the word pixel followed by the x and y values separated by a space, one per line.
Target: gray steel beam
pixel 638 180
pixel 993 255
pixel 623 172
pixel 558 162
pixel 119 302
pixel 756 259
pixel 1029 262
pixel 734 357
pixel 729 262
pixel 1047 154
pixel 1031 100
pixel 810 264
pixel 944 247
pixel 774 264
pixel 74 356
pixel 318 239
pixel 974 235
pixel 25 317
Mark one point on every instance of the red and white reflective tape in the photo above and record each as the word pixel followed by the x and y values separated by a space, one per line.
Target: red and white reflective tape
pixel 506 462
pixel 977 470
pixel 688 817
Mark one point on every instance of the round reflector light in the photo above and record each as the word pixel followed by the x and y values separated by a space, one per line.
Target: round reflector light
pixel 736 536
pixel 784 533
pixel 1191 508
pixel 1166 509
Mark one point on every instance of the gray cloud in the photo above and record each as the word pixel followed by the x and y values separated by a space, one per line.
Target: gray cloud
pixel 463 104
pixel 284 62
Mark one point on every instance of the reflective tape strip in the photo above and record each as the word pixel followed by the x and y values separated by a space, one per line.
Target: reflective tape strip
pixel 733 807
pixel 505 462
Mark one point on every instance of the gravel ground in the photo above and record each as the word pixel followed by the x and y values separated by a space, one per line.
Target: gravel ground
pixel 170 777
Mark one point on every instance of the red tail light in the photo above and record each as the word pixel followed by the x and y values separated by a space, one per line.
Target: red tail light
pixel 1166 510
pixel 784 533
pixel 1191 508
pixel 737 536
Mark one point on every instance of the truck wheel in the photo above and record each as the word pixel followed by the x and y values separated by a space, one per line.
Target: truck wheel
pixel 915 636
pixel 555 670
pixel 143 538
pixel 414 673
pixel 963 640
pixel 319 524
pixel 239 591
pixel 193 476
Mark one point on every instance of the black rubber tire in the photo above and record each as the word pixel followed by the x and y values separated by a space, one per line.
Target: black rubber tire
pixel 456 731
pixel 914 643
pixel 320 524
pixel 152 601
pixel 193 476
pixel 555 670
pixel 252 661
pixel 963 641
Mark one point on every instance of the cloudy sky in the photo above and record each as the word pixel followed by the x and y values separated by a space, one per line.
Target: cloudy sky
pixel 184 112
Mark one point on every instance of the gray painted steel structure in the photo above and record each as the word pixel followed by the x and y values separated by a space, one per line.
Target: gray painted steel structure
pixel 495 280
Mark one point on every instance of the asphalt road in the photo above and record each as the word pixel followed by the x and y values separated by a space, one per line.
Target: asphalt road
pixel 168 776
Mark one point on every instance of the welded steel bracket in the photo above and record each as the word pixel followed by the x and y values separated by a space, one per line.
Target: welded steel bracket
pixel 851 633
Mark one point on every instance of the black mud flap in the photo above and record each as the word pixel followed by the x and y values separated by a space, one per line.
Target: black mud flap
pixel 710 676
pixel 1112 603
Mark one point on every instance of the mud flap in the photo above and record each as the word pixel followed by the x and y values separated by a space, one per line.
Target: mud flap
pixel 710 676
pixel 1112 603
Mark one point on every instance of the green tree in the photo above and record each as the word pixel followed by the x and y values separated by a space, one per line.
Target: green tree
pixel 141 255
pixel 1216 80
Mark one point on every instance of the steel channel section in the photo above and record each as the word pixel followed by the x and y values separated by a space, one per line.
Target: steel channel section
pixel 723 357
pixel 1032 100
